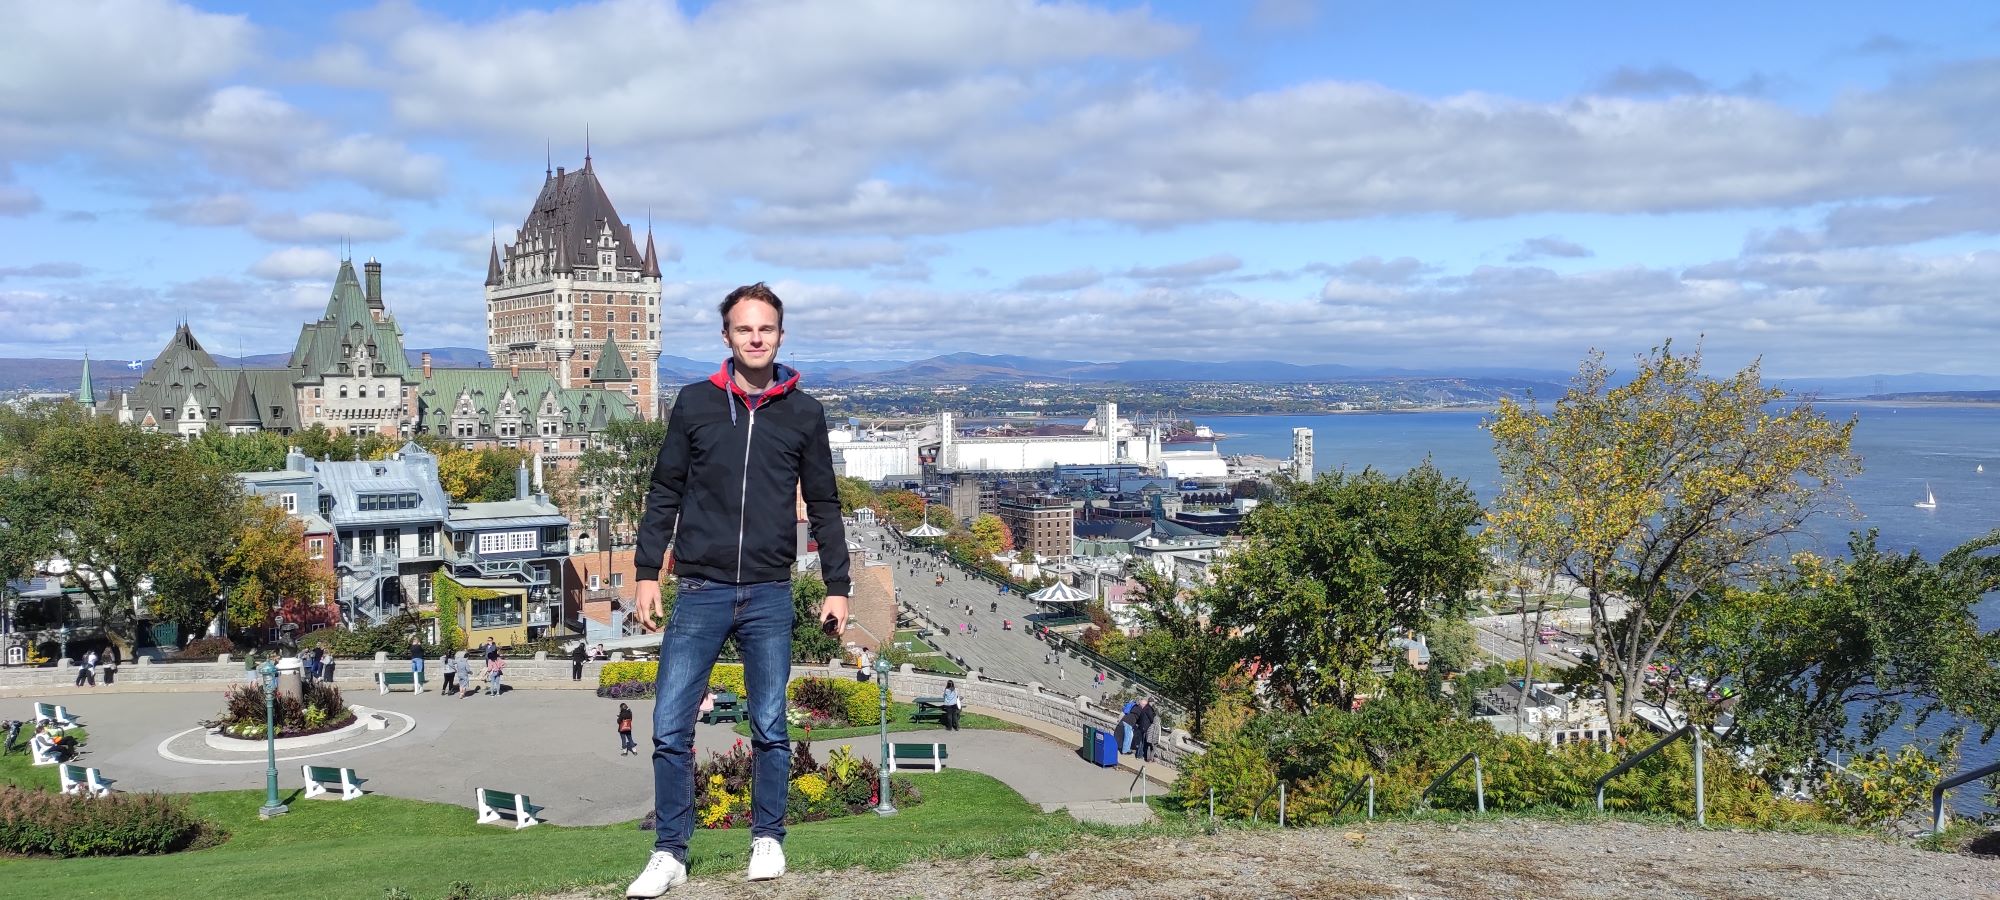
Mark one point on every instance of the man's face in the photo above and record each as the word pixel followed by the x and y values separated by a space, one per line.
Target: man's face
pixel 753 335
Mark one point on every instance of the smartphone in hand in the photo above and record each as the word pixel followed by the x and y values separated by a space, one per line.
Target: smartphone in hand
pixel 830 625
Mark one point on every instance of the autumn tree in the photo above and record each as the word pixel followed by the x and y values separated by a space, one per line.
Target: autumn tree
pixel 256 451
pixel 904 509
pixel 262 566
pixel 990 536
pixel 854 494
pixel 124 514
pixel 1827 657
pixel 615 473
pixel 1656 494
pixel 1338 567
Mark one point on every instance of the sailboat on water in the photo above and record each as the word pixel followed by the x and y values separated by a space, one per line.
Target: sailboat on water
pixel 1930 499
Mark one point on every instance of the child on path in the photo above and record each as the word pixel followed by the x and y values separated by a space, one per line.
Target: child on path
pixel 464 670
pixel 494 665
pixel 450 674
pixel 625 743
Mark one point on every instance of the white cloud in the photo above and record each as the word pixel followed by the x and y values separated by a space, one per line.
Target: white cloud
pixel 1541 247
pixel 808 254
pixel 214 211
pixel 1877 225
pixel 296 264
pixel 16 200
pixel 291 227
pixel 1060 281
pixel 98 61
pixel 1187 271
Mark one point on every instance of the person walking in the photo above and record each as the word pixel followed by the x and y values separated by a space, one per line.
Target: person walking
pixel 743 448
pixel 951 705
pixel 449 670
pixel 626 746
pixel 87 674
pixel 1148 729
pixel 576 664
pixel 464 671
pixel 494 666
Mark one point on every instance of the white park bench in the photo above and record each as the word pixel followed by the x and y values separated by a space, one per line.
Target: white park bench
pixel 84 780
pixel 492 804
pixel 930 757
pixel 51 712
pixel 323 779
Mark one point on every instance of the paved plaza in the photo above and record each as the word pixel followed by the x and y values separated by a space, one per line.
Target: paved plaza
pixel 996 652
pixel 560 747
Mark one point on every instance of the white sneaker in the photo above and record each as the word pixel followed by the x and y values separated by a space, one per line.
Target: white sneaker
pixel 767 859
pixel 662 872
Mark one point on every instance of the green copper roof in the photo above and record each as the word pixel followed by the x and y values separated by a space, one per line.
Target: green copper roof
pixel 85 395
pixel 348 328
pixel 610 363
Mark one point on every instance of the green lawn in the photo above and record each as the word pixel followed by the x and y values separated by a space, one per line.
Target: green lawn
pixel 19 768
pixel 363 848
pixel 926 656
pixel 899 720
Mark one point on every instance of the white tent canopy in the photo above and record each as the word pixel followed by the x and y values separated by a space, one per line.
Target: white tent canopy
pixel 926 530
pixel 1058 593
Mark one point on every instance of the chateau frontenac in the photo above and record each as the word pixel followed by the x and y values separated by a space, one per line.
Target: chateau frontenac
pixel 572 315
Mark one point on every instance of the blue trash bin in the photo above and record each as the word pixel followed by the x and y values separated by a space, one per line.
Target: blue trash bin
pixel 1103 748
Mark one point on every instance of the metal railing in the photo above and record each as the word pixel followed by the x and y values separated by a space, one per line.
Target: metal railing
pixel 1689 730
pixel 1478 782
pixel 1278 789
pixel 1369 783
pixel 1937 793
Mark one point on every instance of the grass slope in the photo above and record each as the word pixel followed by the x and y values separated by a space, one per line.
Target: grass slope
pixel 364 848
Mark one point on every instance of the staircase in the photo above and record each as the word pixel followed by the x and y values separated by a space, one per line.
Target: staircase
pixel 361 588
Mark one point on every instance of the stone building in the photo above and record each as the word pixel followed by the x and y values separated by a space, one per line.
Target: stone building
pixel 349 372
pixel 575 295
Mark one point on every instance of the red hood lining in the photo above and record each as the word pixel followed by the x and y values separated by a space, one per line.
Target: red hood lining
pixel 786 379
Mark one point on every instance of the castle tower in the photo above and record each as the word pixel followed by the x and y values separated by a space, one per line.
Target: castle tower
pixel 573 280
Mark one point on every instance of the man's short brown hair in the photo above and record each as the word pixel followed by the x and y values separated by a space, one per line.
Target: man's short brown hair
pixel 756 291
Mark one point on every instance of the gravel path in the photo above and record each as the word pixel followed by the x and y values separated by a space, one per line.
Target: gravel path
pixel 1487 860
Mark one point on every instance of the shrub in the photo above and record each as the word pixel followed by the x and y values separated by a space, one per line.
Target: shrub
pixel 1881 787
pixel 819 697
pixel 391 637
pixel 626 680
pixel 206 649
pixel 43 823
pixel 859 701
pixel 319 708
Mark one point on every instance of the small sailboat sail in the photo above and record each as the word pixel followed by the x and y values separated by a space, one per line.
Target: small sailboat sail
pixel 1981 468
pixel 1930 499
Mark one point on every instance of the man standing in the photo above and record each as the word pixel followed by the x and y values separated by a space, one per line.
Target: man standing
pixel 741 447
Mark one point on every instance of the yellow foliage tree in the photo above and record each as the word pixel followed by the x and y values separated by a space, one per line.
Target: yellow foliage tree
pixel 1655 494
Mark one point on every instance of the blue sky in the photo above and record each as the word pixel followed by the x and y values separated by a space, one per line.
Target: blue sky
pixel 1365 183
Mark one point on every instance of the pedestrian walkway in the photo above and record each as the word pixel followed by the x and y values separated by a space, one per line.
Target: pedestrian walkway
pixel 560 747
pixel 996 652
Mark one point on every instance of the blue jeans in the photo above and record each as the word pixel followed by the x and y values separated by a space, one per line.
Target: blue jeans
pixel 705 614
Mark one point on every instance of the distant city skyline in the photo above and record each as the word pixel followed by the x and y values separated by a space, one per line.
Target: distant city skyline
pixel 1315 183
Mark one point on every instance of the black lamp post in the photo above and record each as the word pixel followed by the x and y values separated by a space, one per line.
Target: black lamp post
pixel 884 808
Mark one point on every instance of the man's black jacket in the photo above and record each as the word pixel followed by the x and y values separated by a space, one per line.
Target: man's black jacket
pixel 726 483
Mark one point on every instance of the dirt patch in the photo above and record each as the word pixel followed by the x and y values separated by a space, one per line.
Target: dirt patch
pixel 1522 858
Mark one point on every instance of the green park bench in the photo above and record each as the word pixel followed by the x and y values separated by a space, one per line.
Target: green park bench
pixel 412 680
pixel 494 805
pixel 727 706
pixel 929 756
pixel 322 779
pixel 84 781
pixel 53 712
pixel 929 709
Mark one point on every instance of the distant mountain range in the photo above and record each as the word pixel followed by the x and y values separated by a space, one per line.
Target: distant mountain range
pixel 42 374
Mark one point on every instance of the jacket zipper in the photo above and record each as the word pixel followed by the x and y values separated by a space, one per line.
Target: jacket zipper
pixel 743 493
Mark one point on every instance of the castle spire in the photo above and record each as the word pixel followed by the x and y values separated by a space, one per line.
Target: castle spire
pixel 86 396
pixel 652 260
pixel 493 265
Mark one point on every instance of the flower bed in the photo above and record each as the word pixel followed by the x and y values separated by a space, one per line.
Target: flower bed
pixel 845 785
pixel 319 709
pixel 826 702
